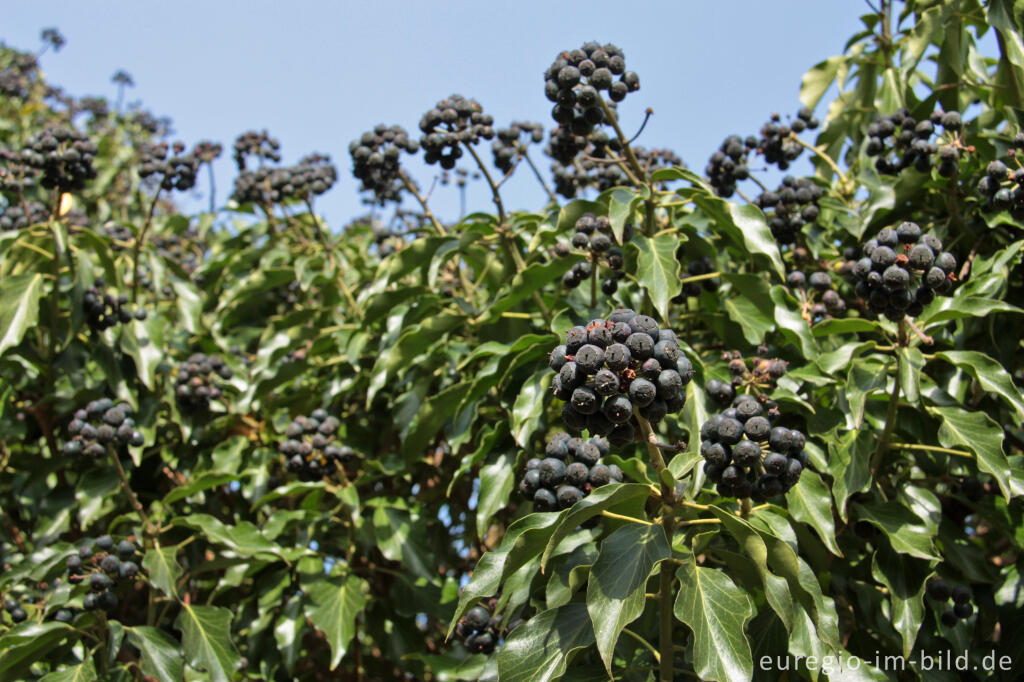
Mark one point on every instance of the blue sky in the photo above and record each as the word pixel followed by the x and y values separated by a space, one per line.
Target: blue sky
pixel 318 74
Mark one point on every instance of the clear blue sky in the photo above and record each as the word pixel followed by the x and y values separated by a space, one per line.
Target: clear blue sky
pixel 318 74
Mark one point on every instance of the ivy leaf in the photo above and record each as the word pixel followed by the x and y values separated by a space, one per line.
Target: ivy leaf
pixel 206 639
pixel 539 649
pixel 336 603
pixel 904 577
pixel 978 433
pixel 288 632
pixel 990 375
pixel 809 502
pixel 497 480
pixel 26 643
pixel 717 611
pixel 163 569
pixel 905 530
pixel 753 309
pixel 618 580
pixel 19 306
pixel 528 409
pixel 161 654
pixel 848 462
pixel 83 672
pixel 658 269
pixel 792 325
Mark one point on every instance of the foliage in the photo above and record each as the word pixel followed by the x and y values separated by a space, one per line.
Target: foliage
pixel 325 430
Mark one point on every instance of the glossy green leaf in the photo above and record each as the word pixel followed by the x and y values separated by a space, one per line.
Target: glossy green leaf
pixel 206 639
pixel 497 481
pixel 161 655
pixel 540 649
pixel 658 269
pixel 162 566
pixel 978 433
pixel 19 307
pixel 337 601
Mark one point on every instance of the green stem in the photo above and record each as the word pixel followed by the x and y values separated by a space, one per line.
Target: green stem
pixel 890 418
pixel 139 241
pixel 411 188
pixel 929 448
pixel 647 645
pixel 495 194
pixel 540 179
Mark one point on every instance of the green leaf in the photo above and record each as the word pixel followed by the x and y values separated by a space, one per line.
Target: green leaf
pixel 204 481
pixel 618 580
pixel 906 531
pixel 161 654
pixel 288 632
pixel 497 480
pixel 849 464
pixel 717 611
pixel 535 276
pixel 792 325
pixel 744 225
pixel 954 308
pixel 144 342
pixel 206 639
pixel 83 672
pixel 809 502
pixel 163 569
pixel 19 306
pixel 24 644
pixel 539 649
pixel 336 603
pixel 990 375
pixel 529 406
pixel 911 362
pixel 753 309
pixel 570 575
pixel 905 579
pixel 867 375
pixel 243 538
pixel 603 498
pixel 978 433
pixel 658 269
pixel 818 80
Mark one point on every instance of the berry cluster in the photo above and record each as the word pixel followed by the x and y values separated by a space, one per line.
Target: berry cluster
pixel 818 299
pixel 748 457
pixel 570 469
pixel 63 155
pixel 758 374
pixel 902 270
pixel 16 175
pixel 103 565
pixel 258 144
pixel 901 141
pixel 611 367
pixel 728 165
pixel 776 143
pixel 511 142
pixel 1002 188
pixel 312 175
pixel 175 172
pixel 104 310
pixel 594 235
pixel 375 160
pixel 100 424
pixel 311 450
pixel 15 610
pixel 695 268
pixel 206 151
pixel 195 384
pixel 478 631
pixel 18 78
pixel 575 80
pixel 941 591
pixel 13 216
pixel 452 122
pixel 790 207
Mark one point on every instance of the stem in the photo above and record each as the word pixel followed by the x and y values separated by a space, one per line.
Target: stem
pixel 213 188
pixel 540 179
pixel 593 280
pixel 890 419
pixel 613 515
pixel 139 241
pixel 323 238
pixel 698 278
pixel 495 194
pixel 132 499
pixel 697 522
pixel 745 507
pixel 821 155
pixel 647 645
pixel 411 188
pixel 630 156
pixel 925 339
pixel 929 448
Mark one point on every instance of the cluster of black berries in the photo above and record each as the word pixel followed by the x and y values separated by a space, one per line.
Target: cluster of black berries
pixel 609 367
pixel 13 216
pixel 748 457
pixel 573 175
pixel 312 175
pixel 791 206
pixel 63 155
pixel 941 591
pixel 16 174
pixel 103 565
pixel 311 451
pixel 258 144
pixel 375 160
pixel 195 384
pixel 14 610
pixel 96 107
pixel 759 374
pixel 728 165
pixel 478 631
pixel 18 77
pixel 575 80
pixel 570 469
pixel 104 310
pixel 452 122
pixel 695 268
pixel 902 270
pixel 511 142
pixel 175 172
pixel 909 142
pixel 100 424
pixel 186 249
pixel 1002 188
pixel 206 151
pixel 820 301
pixel 594 235
pixel 776 144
